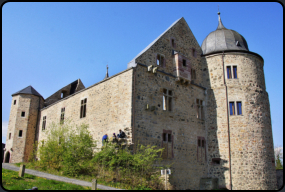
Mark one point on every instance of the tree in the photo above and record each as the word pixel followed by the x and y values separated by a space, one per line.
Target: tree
pixel 278 152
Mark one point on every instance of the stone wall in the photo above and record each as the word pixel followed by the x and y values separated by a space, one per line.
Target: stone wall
pixel 251 142
pixel 182 121
pixel 279 176
pixel 108 108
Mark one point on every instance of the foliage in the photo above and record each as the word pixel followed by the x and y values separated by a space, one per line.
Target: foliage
pixel 71 152
pixel 11 181
pixel 278 163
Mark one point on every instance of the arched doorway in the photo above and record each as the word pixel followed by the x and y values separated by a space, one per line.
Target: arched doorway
pixel 7 157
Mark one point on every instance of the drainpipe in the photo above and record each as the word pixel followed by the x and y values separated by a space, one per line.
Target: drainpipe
pixel 228 121
pixel 133 107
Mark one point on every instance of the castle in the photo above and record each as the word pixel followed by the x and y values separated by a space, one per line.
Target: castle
pixel 206 106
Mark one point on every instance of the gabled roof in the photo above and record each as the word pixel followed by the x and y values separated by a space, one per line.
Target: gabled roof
pixel 132 62
pixel 28 90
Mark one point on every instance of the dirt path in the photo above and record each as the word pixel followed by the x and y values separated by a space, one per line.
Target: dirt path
pixel 55 177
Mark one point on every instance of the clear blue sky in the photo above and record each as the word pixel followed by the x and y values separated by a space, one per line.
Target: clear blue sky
pixel 49 45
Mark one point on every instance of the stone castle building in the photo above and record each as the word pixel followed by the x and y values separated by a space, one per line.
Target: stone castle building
pixel 207 106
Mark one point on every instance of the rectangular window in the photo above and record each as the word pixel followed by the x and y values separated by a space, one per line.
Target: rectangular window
pixel 9 135
pixel 169 137
pixel 199 109
pixel 159 60
pixel 164 136
pixel 15 101
pixel 203 143
pixel 229 72
pixel 44 123
pixel 235 72
pixel 201 149
pixel 239 108
pixel 172 43
pixel 232 108
pixel 23 114
pixel 83 108
pixel 184 62
pixel 20 133
pixel 199 143
pixel 167 100
pixel 193 73
pixel 62 115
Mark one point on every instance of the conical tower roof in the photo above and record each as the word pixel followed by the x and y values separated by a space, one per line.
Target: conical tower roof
pixel 28 90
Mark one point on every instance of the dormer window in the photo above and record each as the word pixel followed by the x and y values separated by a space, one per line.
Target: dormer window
pixel 238 44
pixel 159 60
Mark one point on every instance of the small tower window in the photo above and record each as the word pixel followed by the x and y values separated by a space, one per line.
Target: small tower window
pixel 193 52
pixel 172 42
pixel 216 161
pixel 199 109
pixel 239 110
pixel 15 101
pixel 164 136
pixel 232 72
pixel 229 72
pixel 184 63
pixel 23 114
pixel 235 72
pixel 9 135
pixel 20 133
pixel 232 108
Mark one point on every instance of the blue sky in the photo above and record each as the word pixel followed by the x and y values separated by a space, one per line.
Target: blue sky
pixel 49 45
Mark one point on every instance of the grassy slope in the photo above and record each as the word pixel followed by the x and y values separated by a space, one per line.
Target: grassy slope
pixel 11 181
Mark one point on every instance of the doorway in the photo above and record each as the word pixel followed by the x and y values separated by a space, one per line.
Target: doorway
pixel 7 157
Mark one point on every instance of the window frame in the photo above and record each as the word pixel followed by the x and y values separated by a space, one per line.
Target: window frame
pixel 44 123
pixel 161 63
pixel 62 113
pixel 199 109
pixel 83 108
pixel 236 108
pixel 230 73
pixel 167 101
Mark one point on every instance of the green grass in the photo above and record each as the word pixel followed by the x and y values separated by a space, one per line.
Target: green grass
pixel 102 181
pixel 11 181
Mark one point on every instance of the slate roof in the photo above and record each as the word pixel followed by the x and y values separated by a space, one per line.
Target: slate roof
pixel 223 39
pixel 132 62
pixel 28 90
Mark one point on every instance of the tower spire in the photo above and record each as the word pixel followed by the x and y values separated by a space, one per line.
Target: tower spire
pixel 220 26
pixel 107 75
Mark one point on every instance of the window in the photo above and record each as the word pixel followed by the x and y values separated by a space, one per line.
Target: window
pixel 62 115
pixel 216 161
pixel 20 133
pixel 83 108
pixel 9 135
pixel 15 101
pixel 232 72
pixel 23 114
pixel 199 109
pixel 239 110
pixel 201 149
pixel 44 123
pixel 235 105
pixel 167 144
pixel 167 100
pixel 172 43
pixel 184 63
pixel 193 74
pixel 232 108
pixel 159 60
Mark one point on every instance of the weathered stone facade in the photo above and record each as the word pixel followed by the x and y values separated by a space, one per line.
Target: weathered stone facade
pixel 176 98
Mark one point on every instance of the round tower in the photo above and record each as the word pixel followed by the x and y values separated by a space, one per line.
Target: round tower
pixel 240 143
pixel 22 126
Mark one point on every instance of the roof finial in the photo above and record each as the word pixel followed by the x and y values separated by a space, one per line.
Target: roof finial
pixel 107 75
pixel 220 26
